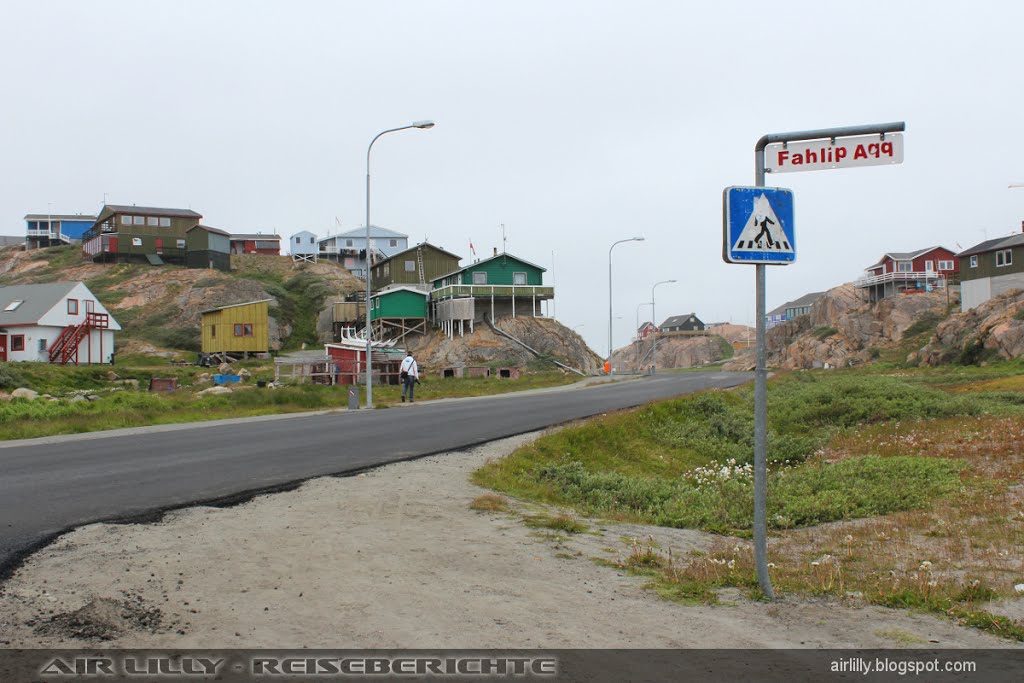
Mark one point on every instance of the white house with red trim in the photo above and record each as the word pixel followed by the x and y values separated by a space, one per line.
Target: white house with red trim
pixel 55 322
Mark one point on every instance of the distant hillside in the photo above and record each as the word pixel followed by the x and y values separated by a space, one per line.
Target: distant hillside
pixel 160 306
pixel 682 351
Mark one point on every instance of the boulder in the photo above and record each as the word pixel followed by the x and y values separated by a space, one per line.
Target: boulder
pixel 225 369
pixel 112 376
pixel 22 392
pixel 244 374
pixel 129 383
pixel 202 378
pixel 213 391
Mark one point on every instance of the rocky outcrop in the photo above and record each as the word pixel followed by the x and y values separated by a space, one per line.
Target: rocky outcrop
pixel 673 352
pixel 995 328
pixel 435 351
pixel 842 329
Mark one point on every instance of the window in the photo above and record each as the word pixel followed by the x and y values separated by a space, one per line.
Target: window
pixel 17 342
pixel 519 278
pixel 945 265
pixel 348 243
pixel 974 262
pixel 213 331
pixel 410 266
pixel 904 266
pixel 136 241
pixel 72 306
pixel 238 329
pixel 247 329
pixel 393 243
pixel 126 220
pixel 1004 258
pixel 312 239
pixel 181 244
pixel 152 220
pixel 929 266
pixel 138 220
pixel 479 278
pixel 165 222
pixel 42 344
pixel 298 240
pixel 14 305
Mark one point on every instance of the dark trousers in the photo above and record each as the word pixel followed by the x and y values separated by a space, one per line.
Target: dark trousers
pixel 409 385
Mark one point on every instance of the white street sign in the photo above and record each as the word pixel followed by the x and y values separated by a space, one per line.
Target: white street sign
pixel 819 155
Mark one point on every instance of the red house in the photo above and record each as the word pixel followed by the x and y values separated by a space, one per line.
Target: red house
pixel 915 271
pixel 256 244
pixel 646 330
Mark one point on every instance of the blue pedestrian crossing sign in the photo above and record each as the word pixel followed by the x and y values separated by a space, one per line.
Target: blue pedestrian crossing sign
pixel 758 225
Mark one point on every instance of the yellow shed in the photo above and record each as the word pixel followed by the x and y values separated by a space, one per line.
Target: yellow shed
pixel 238 329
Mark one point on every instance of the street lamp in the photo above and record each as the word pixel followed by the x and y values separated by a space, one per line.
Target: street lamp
pixel 645 303
pixel 654 354
pixel 369 329
pixel 631 239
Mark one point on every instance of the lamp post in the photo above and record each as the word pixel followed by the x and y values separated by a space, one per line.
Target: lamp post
pixel 654 353
pixel 369 329
pixel 610 348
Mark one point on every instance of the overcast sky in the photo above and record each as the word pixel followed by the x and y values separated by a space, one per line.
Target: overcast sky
pixel 574 124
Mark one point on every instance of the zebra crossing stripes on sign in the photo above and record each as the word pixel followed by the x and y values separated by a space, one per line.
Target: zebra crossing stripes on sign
pixel 758 226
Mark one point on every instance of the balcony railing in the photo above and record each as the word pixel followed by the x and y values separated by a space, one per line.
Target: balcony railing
pixel 936 278
pixel 484 291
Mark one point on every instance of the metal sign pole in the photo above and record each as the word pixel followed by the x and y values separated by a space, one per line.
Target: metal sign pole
pixel 761 419
pixel 761 371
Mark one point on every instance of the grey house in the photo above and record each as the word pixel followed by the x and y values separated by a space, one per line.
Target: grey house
pixel 991 268
pixel 349 248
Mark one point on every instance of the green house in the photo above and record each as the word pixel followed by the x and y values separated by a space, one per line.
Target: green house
pixel 139 233
pixel 501 285
pixel 397 311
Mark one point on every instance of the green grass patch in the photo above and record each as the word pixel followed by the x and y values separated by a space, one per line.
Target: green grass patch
pixel 685 462
pixel 563 522
pixel 822 333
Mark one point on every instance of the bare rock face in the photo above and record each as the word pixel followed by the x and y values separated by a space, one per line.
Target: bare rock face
pixel 842 329
pixel 483 346
pixel 673 352
pixel 995 327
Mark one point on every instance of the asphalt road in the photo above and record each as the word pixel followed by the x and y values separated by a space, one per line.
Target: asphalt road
pixel 53 485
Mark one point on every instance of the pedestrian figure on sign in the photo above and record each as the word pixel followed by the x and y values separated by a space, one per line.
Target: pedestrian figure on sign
pixel 764 230
pixel 410 375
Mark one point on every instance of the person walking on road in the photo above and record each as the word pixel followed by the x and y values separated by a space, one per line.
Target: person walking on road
pixel 410 375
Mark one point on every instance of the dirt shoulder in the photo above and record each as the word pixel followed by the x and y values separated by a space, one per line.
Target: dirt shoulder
pixel 395 558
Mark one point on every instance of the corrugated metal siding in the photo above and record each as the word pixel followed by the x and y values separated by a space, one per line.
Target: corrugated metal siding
pixel 225 320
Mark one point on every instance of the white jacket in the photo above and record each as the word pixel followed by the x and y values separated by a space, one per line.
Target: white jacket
pixel 409 365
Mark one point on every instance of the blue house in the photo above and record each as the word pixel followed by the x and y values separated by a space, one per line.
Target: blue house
pixel 49 230
pixel 349 248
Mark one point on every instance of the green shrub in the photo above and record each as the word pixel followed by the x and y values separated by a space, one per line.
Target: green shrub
pixel 798 497
pixel 10 378
pixel 822 333
pixel 926 323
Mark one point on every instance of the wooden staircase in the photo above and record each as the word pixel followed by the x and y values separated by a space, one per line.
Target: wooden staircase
pixel 64 349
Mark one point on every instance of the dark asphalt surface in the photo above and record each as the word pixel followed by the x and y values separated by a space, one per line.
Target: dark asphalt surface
pixel 47 489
